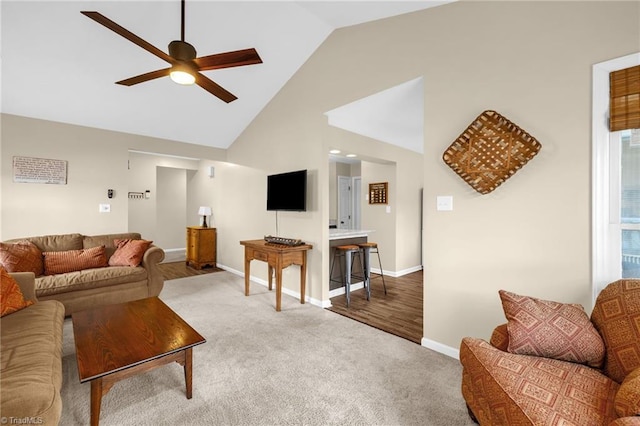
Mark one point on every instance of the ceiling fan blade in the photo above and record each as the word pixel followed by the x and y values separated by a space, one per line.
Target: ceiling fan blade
pixel 228 59
pixel 103 20
pixel 145 77
pixel 214 88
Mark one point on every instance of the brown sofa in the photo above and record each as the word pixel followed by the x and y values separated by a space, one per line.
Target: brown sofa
pixel 503 388
pixel 94 287
pixel 31 359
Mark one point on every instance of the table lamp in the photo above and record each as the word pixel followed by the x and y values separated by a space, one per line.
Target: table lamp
pixel 204 212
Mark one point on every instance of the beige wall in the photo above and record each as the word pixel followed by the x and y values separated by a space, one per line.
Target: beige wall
pixel 530 61
pixel 97 161
pixel 531 235
pixel 171 202
pixel 163 216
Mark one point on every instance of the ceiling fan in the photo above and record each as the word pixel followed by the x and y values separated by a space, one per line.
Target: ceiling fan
pixel 185 66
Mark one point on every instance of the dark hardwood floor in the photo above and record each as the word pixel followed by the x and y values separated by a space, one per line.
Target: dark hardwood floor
pixel 174 270
pixel 398 312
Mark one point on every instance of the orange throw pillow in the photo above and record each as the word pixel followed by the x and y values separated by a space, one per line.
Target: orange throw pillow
pixel 551 329
pixel 129 252
pixel 11 298
pixel 22 256
pixel 59 262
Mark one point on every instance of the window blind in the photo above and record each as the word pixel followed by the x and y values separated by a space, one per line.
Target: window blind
pixel 624 109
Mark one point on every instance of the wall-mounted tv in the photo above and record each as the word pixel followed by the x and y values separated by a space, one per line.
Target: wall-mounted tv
pixel 287 191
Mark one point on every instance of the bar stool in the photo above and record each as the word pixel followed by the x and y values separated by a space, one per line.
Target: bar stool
pixel 368 248
pixel 348 252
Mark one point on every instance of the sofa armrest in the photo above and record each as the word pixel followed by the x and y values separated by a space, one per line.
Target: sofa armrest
pixel 27 283
pixel 502 388
pixel 152 257
pixel 500 337
pixel 626 421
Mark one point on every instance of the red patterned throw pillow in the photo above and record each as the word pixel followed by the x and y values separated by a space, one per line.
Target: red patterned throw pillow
pixel 60 262
pixel 22 256
pixel 551 330
pixel 129 252
pixel 11 298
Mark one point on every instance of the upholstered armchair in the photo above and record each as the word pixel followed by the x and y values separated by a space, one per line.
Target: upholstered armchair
pixel 515 380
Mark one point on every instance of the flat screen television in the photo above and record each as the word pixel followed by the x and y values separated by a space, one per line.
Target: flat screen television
pixel 287 191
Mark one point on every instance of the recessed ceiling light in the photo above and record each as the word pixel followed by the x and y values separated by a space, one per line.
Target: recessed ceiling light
pixel 334 151
pixel 351 155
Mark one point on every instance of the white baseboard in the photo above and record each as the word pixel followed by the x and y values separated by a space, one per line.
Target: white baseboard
pixel 295 294
pixel 396 274
pixel 439 347
pixel 341 290
pixel 175 255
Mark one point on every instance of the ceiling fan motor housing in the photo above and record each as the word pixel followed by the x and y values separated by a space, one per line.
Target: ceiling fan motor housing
pixel 182 51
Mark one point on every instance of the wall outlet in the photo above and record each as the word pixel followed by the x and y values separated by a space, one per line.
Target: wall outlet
pixel 104 208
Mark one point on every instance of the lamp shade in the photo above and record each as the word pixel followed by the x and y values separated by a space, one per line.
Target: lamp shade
pixel 204 211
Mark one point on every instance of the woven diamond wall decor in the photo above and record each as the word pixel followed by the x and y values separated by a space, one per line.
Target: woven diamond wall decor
pixel 490 151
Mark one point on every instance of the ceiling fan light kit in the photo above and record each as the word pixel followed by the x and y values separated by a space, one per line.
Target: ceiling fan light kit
pixel 185 66
pixel 181 74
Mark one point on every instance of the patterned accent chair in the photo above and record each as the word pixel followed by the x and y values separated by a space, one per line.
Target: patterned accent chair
pixel 502 388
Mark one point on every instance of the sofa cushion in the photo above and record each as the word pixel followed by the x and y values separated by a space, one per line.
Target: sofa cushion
pixel 108 240
pixel 21 256
pixel 60 242
pixel 60 262
pixel 616 315
pixel 11 298
pixel 627 402
pixel 31 362
pixel 129 252
pixel 551 330
pixel 88 278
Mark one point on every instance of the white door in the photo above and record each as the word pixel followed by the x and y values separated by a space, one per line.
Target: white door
pixel 344 202
pixel 356 201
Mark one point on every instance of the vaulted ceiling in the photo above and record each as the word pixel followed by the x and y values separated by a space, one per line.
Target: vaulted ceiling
pixel 60 65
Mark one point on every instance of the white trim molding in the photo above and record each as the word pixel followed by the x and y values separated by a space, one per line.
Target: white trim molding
pixel 605 267
pixel 295 294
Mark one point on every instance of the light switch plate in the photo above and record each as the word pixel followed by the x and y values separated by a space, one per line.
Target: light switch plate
pixel 104 208
pixel 444 202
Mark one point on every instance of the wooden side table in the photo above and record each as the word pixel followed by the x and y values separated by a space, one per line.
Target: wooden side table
pixel 277 257
pixel 201 246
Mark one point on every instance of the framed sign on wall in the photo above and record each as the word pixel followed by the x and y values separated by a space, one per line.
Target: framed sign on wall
pixel 378 193
pixel 39 170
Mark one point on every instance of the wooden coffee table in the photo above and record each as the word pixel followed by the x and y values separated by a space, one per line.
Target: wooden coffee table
pixel 119 341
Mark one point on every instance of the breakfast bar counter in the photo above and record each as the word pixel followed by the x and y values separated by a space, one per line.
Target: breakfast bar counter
pixel 338 234
pixel 339 237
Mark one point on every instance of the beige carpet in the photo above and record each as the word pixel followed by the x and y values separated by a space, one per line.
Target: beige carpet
pixel 302 366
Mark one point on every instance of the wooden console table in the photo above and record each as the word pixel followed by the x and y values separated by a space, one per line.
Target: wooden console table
pixel 278 257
